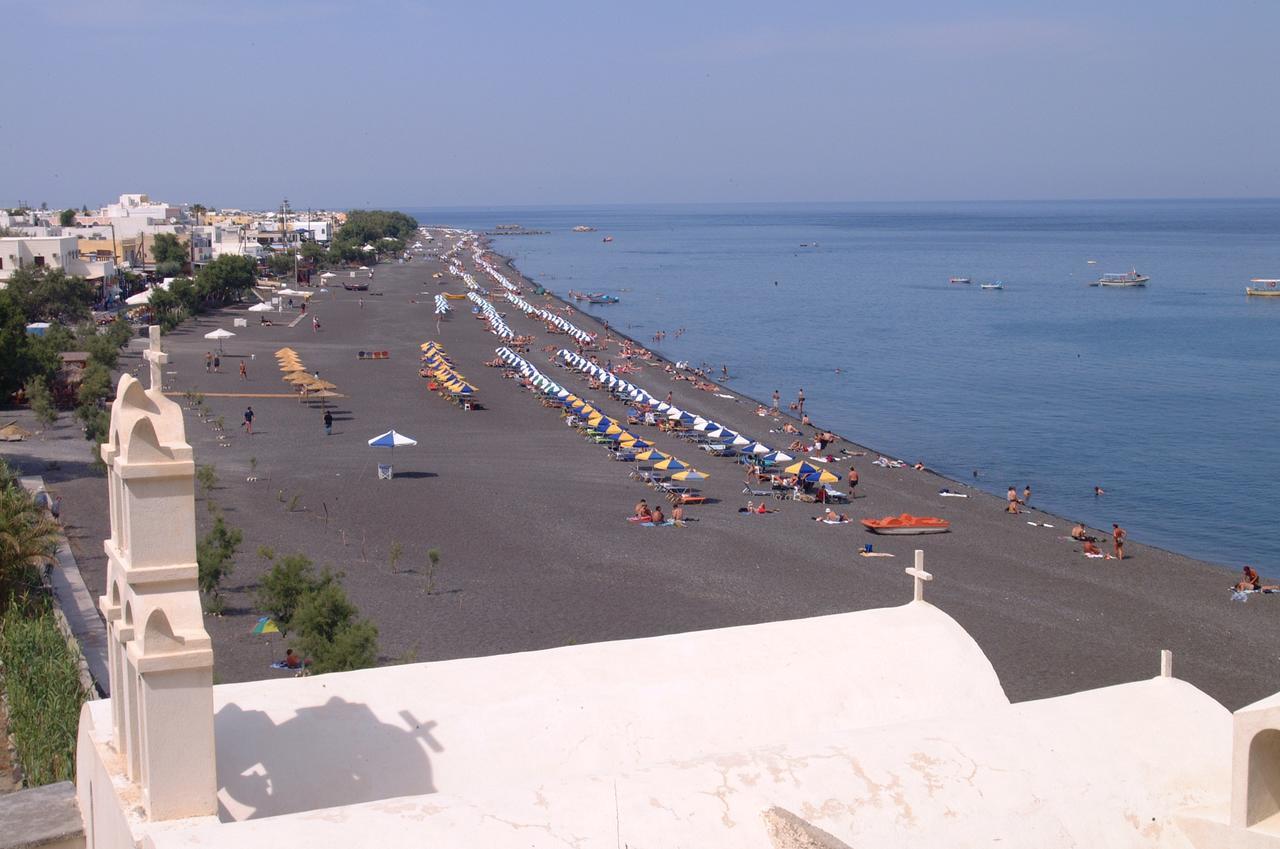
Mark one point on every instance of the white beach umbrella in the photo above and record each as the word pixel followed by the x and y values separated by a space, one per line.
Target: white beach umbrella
pixel 219 334
pixel 327 275
pixel 261 306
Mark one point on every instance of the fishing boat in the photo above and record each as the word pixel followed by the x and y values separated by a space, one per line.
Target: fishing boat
pixel 1265 288
pixel 997 286
pixel 906 524
pixel 963 280
pixel 583 228
pixel 593 297
pixel 1123 281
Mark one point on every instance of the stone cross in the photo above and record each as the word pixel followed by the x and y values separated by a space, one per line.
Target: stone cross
pixel 919 574
pixel 155 356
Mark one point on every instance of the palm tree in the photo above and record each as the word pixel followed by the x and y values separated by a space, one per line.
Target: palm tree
pixel 28 540
pixel 198 210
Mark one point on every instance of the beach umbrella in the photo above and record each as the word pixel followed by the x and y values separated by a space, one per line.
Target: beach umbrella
pixel 690 475
pixel 285 351
pixel 821 477
pixel 777 457
pixel 671 464
pixel 323 395
pixel 266 625
pixel 392 440
pixel 298 377
pixel 320 384
pixel 219 334
pixel 328 275
pixel 652 454
pixel 261 306
pixel 740 441
pixel 802 469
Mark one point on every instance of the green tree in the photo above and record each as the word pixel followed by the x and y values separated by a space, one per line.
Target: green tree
pixel 215 557
pixel 41 401
pixel 289 581
pixel 50 294
pixel 281 264
pixel 386 231
pixel 227 278
pixel 166 247
pixel 313 252
pixel 168 268
pixel 18 358
pixel 331 635
pixel 67 218
pixel 95 384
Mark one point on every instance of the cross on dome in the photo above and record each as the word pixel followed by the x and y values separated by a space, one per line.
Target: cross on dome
pixel 155 356
pixel 917 571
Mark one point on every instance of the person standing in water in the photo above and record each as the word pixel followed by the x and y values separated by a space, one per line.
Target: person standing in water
pixel 800 401
pixel 777 399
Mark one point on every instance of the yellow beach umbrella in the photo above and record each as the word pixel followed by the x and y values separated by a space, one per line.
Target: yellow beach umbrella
pixel 823 477
pixel 292 367
pixel 652 454
pixel 690 475
pixel 320 384
pixel 612 429
pixel 671 464
pixel 285 351
pixel 297 377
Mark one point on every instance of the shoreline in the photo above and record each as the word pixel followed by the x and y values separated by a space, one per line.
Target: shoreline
pixel 486 242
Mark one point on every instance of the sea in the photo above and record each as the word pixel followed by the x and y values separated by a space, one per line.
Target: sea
pixel 1164 396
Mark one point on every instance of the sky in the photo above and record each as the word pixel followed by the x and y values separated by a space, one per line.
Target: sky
pixel 403 104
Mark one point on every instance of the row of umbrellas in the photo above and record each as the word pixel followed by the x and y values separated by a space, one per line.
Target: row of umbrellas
pixel 598 423
pixel 441 368
pixel 496 323
pixel 626 389
pixel 548 316
pixel 307 384
pixel 478 256
pixel 442 305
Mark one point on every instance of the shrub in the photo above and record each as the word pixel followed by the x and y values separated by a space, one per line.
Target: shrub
pixel 215 557
pixel 44 692
pixel 330 634
pixel 284 587
pixel 41 401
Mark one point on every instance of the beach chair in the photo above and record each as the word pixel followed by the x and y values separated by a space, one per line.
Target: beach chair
pixel 688 498
pixel 749 488
pixel 836 496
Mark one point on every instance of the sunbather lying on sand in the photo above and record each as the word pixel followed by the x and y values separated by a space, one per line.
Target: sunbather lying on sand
pixel 753 508
pixel 790 428
pixel 1091 550
pixel 1251 580
pixel 830 517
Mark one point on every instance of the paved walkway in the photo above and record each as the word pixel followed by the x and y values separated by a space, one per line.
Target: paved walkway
pixel 77 605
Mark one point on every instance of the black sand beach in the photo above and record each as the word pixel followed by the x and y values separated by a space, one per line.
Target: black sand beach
pixel 530 519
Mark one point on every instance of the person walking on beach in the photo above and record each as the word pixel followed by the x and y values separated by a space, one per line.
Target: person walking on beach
pixel 1012 496
pixel 217 364
pixel 800 401
pixel 853 482
pixel 328 423
pixel 1118 535
pixel 248 420
pixel 208 361
pixel 244 371
pixel 777 399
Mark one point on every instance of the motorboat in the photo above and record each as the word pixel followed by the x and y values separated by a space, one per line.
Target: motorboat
pixel 593 297
pixel 1265 288
pixel 906 524
pixel 607 239
pixel 1122 281
pixel 964 280
pixel 997 286
pixel 583 228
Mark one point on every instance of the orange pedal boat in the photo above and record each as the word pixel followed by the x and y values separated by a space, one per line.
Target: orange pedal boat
pixel 907 524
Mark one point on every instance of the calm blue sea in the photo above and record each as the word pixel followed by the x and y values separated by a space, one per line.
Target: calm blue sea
pixel 1164 396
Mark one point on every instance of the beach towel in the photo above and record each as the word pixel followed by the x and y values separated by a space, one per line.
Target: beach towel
pixel 949 494
pixel 1040 524
pixel 665 524
pixel 874 554
pixel 719 395
pixel 1243 595
pixel 830 522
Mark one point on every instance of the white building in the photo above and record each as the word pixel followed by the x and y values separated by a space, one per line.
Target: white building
pixel 881 728
pixel 50 252
pixel 136 213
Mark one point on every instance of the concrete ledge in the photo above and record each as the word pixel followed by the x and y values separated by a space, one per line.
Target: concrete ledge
pixel 47 817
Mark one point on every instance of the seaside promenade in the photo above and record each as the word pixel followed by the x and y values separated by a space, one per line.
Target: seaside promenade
pixel 530 519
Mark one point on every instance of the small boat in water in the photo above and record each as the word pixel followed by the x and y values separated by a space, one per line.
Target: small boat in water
pixel 583 228
pixel 906 524
pixel 593 297
pixel 607 239
pixel 997 286
pixel 1265 289
pixel 1123 281
pixel 965 280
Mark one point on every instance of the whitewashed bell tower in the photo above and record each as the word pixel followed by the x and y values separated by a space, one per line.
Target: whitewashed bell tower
pixel 161 659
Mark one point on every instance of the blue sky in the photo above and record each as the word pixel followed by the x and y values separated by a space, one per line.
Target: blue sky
pixel 386 103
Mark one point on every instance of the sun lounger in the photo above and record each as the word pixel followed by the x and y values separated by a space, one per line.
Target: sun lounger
pixel 687 498
pixel 623 456
pixel 748 489
pixel 836 495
